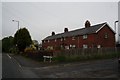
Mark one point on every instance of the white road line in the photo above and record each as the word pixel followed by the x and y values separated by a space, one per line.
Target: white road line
pixel 15 60
pixel 19 65
pixel 8 56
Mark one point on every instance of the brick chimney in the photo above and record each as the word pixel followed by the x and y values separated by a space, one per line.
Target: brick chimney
pixel 65 29
pixel 87 24
pixel 53 33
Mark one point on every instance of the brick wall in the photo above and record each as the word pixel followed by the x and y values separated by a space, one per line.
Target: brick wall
pixel 93 40
pixel 105 42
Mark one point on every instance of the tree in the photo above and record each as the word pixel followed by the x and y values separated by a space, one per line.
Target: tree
pixel 7 43
pixel 35 43
pixel 22 39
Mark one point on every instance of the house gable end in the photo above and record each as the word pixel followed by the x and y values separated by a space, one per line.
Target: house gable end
pixel 107 26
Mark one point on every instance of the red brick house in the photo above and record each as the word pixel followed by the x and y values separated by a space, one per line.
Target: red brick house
pixel 100 35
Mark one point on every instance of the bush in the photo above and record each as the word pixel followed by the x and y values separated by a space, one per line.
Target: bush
pixel 29 49
pixel 35 54
pixel 61 58
pixel 13 50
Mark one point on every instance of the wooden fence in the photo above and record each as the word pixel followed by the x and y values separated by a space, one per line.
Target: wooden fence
pixel 87 52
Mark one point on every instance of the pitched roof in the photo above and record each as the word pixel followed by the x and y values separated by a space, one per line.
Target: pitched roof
pixel 89 30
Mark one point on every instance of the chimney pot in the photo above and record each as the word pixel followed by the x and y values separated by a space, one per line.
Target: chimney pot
pixel 87 24
pixel 53 33
pixel 66 30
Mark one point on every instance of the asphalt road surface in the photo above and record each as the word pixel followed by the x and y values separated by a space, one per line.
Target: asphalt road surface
pixel 20 67
pixel 12 69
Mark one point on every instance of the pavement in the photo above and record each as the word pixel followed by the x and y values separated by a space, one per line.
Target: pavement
pixel 29 68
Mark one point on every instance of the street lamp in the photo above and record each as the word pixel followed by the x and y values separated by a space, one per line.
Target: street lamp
pixel 17 22
pixel 18 29
pixel 115 25
pixel 115 28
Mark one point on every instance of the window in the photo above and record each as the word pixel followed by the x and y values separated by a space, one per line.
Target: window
pixel 55 40
pixel 66 47
pixel 64 38
pixel 48 41
pixel 85 46
pixel 61 39
pixel 72 46
pixel 50 47
pixel 73 38
pixel 85 36
pixel 98 46
pixel 106 36
pixel 44 41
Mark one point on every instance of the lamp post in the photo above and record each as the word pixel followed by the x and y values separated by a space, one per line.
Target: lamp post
pixel 17 22
pixel 18 28
pixel 115 27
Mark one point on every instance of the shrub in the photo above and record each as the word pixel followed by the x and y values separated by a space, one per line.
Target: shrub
pixel 13 50
pixel 28 49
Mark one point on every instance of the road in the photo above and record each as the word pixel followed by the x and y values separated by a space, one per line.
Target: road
pixel 12 69
pixel 20 67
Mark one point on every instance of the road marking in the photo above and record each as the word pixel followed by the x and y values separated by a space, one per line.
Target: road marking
pixel 19 65
pixel 8 56
pixel 15 60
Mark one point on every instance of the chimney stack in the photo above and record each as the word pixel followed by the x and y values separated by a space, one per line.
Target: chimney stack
pixel 53 33
pixel 87 24
pixel 65 29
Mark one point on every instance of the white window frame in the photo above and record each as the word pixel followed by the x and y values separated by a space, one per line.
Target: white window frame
pixel 98 46
pixel 85 46
pixel 106 35
pixel 85 36
pixel 48 41
pixel 55 40
pixel 64 38
pixel 73 38
pixel 61 39
pixel 43 41
pixel 73 46
pixel 67 47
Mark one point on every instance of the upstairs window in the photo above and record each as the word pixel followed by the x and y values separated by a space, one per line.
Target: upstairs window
pixel 55 40
pixel 48 40
pixel 61 39
pixel 85 36
pixel 73 38
pixel 106 35
pixel 44 41
pixel 64 38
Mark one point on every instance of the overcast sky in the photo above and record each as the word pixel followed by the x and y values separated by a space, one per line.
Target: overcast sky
pixel 41 18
